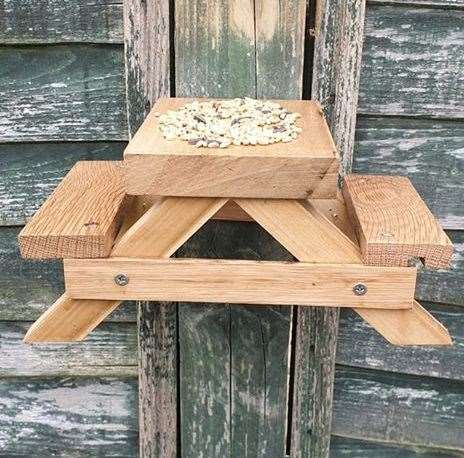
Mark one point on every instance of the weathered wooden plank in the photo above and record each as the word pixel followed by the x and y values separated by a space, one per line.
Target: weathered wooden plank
pixel 444 285
pixel 213 41
pixel 429 152
pixel 359 345
pixel 68 417
pixel 407 42
pixel 257 340
pixel 110 351
pixel 55 21
pixel 343 447
pixel 392 222
pixel 31 171
pixel 232 392
pixel 405 410
pixel 27 288
pixel 280 33
pixel 148 59
pixel 63 92
pixel 441 4
pixel 337 45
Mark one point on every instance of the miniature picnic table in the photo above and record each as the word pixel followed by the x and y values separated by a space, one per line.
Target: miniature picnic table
pixel 116 225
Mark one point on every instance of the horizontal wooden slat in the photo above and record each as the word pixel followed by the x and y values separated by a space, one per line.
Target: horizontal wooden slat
pixel 31 171
pixel 392 222
pixel 111 350
pixel 402 411
pixel 28 288
pixel 243 282
pixel 405 410
pixel 55 21
pixel 428 152
pixel 68 417
pixel 82 216
pixel 412 62
pixel 359 345
pixel 343 447
pixel 62 92
pixel 442 4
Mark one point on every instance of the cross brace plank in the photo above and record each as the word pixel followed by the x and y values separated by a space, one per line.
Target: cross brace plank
pixel 175 219
pixel 241 282
pixel 419 326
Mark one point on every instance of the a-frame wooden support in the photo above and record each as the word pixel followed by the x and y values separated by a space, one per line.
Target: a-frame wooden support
pixel 299 226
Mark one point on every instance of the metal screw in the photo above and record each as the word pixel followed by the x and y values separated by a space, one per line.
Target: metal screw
pixel 121 280
pixel 359 289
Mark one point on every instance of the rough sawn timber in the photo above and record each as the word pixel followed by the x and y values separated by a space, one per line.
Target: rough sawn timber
pixel 82 216
pixel 393 223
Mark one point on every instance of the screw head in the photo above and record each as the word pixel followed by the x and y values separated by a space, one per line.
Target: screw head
pixel 359 289
pixel 121 280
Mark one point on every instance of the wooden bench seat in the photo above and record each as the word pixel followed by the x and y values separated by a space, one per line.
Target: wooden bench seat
pixel 81 217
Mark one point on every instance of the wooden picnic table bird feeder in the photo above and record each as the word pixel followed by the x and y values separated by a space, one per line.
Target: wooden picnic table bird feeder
pixel 117 224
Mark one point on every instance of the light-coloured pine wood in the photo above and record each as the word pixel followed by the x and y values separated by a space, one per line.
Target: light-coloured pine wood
pixel 407 327
pixel 69 319
pixel 82 216
pixel 393 223
pixel 304 232
pixel 157 166
pixel 386 323
pixel 242 282
pixel 166 226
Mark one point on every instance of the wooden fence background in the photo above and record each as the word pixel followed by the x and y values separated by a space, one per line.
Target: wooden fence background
pixel 63 99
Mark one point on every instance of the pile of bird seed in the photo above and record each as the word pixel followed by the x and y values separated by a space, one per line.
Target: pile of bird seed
pixel 218 124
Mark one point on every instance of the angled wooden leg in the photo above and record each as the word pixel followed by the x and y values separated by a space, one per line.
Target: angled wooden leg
pixel 306 233
pixel 157 234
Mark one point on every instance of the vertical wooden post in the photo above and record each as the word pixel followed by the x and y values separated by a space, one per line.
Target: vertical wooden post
pixel 336 68
pixel 148 74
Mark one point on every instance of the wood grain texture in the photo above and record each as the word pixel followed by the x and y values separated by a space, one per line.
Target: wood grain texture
pixel 31 171
pixel 147 39
pixel 336 42
pixel 147 56
pixel 240 282
pixel 429 152
pixel 392 222
pixel 109 351
pixel 28 288
pixel 54 21
pixel 342 447
pixel 233 360
pixel 154 165
pixel 213 41
pixel 70 319
pixel 408 410
pixel 176 219
pixel 279 48
pixel 68 416
pixel 62 92
pixel 81 217
pixel 360 346
pixel 302 230
pixel 411 41
pixel 157 368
